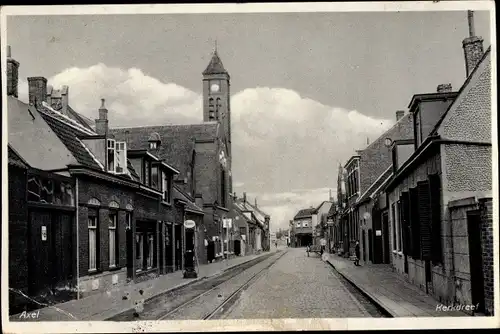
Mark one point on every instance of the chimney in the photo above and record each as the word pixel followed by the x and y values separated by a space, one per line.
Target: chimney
pixel 244 197
pixel 234 196
pixel 444 88
pixel 12 74
pixel 64 99
pixel 473 46
pixel 101 124
pixel 255 201
pixel 399 114
pixel 37 87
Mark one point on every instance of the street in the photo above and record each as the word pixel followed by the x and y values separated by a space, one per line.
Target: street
pixel 297 286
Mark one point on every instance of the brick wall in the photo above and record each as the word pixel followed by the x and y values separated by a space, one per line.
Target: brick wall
pixel 18 234
pixel 488 252
pixel 468 167
pixel 207 178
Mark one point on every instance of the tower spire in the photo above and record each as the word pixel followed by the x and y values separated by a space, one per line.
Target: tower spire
pixel 215 49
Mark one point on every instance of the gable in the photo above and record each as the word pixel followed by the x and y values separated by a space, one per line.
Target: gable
pixel 469 118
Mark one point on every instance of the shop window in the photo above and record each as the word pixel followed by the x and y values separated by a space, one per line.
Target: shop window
pixel 139 250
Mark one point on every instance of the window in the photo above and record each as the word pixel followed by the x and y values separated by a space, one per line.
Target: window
pixel 166 186
pixel 211 115
pixel 128 220
pixel 415 224
pixel 394 236
pixel 151 248
pixel 152 145
pixel 113 244
pixel 154 177
pixel 147 173
pixel 139 249
pixel 352 179
pixel 223 188
pixel 298 224
pixel 305 224
pixel 121 157
pixel 50 191
pixel 111 151
pixel 400 225
pixel 92 227
pixel 218 106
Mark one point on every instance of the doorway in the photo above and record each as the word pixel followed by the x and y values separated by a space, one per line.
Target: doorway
pixel 178 247
pixel 364 245
pixel 237 247
pixel 385 227
pixel 169 254
pixel 50 250
pixel 476 259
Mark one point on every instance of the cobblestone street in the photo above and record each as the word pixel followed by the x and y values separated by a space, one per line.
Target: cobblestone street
pixel 297 286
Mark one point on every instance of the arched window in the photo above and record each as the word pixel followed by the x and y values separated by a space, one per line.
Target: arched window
pixel 211 109
pixel 114 205
pixel 94 201
pixel 218 106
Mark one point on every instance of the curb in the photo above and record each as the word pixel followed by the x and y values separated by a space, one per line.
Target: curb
pixel 365 293
pixel 182 285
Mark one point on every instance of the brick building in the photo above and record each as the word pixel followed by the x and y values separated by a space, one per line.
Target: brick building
pixel 440 198
pixel 201 154
pixel 302 226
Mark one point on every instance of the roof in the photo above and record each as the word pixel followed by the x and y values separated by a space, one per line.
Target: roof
pixel 83 120
pixel 15 159
pixel 258 214
pixel 178 141
pixel 304 213
pixel 375 185
pixel 417 98
pixel 33 138
pixel 190 205
pixel 322 203
pixel 215 66
pixel 376 157
pixel 68 132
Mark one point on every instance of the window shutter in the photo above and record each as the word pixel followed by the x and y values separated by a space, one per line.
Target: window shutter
pixel 435 202
pixel 405 215
pixel 425 218
pixel 414 224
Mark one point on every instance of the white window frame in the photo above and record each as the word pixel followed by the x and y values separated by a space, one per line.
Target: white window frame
pixel 139 236
pixel 121 157
pixel 111 146
pixel 152 145
pixel 166 187
pixel 92 229
pixel 400 225
pixel 113 217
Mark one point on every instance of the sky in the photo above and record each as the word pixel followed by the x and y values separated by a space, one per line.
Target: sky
pixel 308 89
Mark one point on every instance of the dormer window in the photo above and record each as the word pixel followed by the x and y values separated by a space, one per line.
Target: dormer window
pixel 154 141
pixel 166 187
pixel 116 156
pixel 153 145
pixel 154 177
pixel 111 151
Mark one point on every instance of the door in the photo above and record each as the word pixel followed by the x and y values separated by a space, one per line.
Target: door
pixel 178 247
pixel 62 227
pixel 475 259
pixel 364 245
pixel 169 254
pixel 385 241
pixel 130 255
pixel 41 263
pixel 370 245
pixel 237 247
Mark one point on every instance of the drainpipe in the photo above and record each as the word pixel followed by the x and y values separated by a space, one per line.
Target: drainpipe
pixel 77 241
pixel 452 262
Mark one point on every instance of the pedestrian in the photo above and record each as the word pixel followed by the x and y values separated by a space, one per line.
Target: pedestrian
pixel 356 251
pixel 276 244
pixel 307 250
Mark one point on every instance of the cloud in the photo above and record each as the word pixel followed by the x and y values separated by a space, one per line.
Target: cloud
pixel 286 147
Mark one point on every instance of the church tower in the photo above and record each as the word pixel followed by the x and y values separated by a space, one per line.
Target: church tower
pixel 217 96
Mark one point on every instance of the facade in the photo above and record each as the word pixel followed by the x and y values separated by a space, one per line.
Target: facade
pixel 302 228
pixel 319 221
pixel 96 213
pixel 440 198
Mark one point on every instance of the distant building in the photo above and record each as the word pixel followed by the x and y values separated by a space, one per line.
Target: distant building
pixel 302 228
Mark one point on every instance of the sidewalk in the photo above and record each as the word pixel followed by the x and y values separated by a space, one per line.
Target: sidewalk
pixel 389 290
pixel 108 304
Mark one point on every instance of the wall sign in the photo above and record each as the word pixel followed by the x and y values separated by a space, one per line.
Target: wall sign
pixel 189 224
pixel 44 233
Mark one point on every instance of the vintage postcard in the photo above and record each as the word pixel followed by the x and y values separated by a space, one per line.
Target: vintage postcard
pixel 222 167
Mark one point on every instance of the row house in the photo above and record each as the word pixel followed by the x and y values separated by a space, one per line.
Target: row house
pixel 253 225
pixel 87 212
pixel 440 199
pixel 319 221
pixel 302 228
